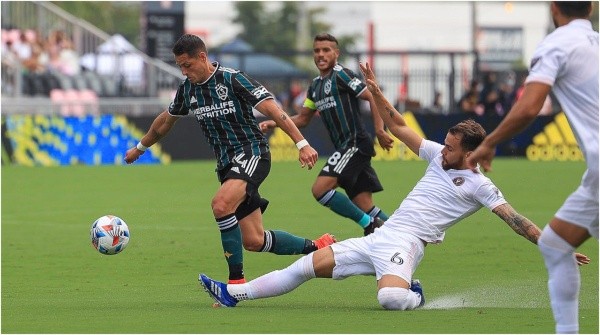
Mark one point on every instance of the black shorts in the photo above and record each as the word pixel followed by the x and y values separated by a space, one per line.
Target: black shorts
pixel 254 170
pixel 353 171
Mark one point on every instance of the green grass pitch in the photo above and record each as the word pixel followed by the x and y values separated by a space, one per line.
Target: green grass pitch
pixel 483 279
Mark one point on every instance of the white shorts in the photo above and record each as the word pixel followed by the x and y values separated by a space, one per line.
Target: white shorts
pixel 384 252
pixel 581 209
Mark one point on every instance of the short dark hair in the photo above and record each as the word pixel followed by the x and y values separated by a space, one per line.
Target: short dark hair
pixel 326 37
pixel 189 44
pixel 472 134
pixel 574 8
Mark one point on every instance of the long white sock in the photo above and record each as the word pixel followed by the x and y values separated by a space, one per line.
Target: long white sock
pixel 563 280
pixel 277 282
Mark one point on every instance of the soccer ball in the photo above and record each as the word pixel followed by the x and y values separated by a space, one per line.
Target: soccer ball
pixel 109 235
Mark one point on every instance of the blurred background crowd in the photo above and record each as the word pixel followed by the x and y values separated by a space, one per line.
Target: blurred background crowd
pixel 87 58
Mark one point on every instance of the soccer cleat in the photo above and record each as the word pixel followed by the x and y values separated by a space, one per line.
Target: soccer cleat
pixel 217 291
pixel 416 287
pixel 376 223
pixel 324 241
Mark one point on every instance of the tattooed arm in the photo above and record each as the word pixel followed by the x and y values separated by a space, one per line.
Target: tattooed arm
pixel 271 110
pixel 391 117
pixel 524 227
pixel 300 120
pixel 517 222
pixel 307 155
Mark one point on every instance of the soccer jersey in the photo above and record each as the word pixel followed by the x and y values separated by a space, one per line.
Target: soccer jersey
pixel 335 96
pixel 223 106
pixel 567 60
pixel 442 198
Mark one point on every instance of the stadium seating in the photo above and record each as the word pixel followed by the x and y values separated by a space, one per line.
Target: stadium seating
pixel 75 102
pixel 57 96
pixel 79 82
pixel 65 82
pixel 94 83
pixel 89 99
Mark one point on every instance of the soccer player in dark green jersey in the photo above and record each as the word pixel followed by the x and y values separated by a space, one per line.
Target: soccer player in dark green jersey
pixel 222 100
pixel 336 94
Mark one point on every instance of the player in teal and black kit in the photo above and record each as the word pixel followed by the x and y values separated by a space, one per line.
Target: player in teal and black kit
pixel 222 99
pixel 335 94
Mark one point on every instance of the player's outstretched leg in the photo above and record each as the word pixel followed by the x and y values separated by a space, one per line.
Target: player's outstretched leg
pixel 283 243
pixel 272 284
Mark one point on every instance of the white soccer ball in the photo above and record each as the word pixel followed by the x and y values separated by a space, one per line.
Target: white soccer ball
pixel 109 234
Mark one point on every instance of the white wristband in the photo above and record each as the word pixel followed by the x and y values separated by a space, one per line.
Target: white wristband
pixel 301 144
pixel 141 147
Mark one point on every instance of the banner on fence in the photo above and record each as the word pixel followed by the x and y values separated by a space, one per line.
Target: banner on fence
pixel 43 140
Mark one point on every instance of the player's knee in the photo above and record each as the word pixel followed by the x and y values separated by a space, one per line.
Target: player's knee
pixel 220 207
pixel 317 192
pixel 553 247
pixel 253 242
pixel 394 298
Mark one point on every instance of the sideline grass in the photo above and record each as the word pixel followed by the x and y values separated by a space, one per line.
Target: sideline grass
pixel 482 279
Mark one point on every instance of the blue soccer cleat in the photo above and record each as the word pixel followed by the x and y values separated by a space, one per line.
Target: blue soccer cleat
pixel 416 287
pixel 217 291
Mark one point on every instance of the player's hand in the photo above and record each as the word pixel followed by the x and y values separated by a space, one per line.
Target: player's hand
pixel 132 155
pixel 385 140
pixel 308 157
pixel 483 155
pixel 582 259
pixel 369 78
pixel 266 126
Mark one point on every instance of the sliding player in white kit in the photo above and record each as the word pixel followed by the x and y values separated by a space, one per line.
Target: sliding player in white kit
pixel 447 193
pixel 567 62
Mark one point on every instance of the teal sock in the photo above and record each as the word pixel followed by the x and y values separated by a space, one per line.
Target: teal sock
pixel 231 239
pixel 377 212
pixel 341 204
pixel 283 243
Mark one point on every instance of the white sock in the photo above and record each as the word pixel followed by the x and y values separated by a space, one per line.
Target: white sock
pixel 563 280
pixel 397 298
pixel 277 282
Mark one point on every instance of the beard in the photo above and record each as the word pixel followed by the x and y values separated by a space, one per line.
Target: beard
pixel 451 166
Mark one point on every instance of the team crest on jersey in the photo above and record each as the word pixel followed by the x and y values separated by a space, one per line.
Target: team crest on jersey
pixel 327 86
pixel 458 181
pixel 222 91
pixel 497 191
